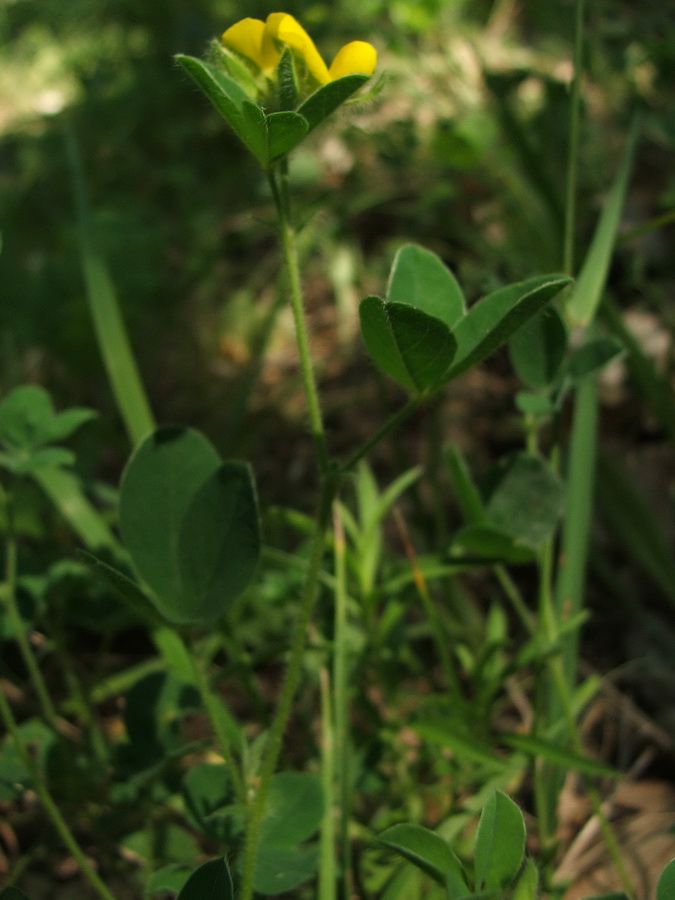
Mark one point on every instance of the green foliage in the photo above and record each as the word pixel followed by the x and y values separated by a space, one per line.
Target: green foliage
pixel 522 506
pixel 498 853
pixel 500 843
pixel 12 893
pixel 293 812
pixel 429 853
pixel 421 335
pixel 190 523
pixel 412 347
pixel 419 279
pixel 269 136
pixel 212 879
pixel 156 735
pixel 492 321
pixel 665 889
pixel 28 425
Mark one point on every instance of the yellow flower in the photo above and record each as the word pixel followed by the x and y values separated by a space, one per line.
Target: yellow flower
pixel 259 41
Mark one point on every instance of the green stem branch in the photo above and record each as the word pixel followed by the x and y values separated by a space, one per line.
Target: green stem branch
pixel 388 426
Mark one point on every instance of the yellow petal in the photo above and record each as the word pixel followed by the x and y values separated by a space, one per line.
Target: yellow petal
pixel 246 37
pixel 284 28
pixel 358 56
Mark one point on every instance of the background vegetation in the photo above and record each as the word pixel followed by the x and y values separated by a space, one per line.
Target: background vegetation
pixel 463 151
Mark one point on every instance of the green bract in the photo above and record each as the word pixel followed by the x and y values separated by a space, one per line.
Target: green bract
pixel 270 84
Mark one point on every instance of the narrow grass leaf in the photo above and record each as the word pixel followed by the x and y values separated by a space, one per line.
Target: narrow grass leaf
pixel 536 747
pixel 500 842
pixel 111 334
pixel 65 491
pixel 466 491
pixel 583 302
pixel 439 732
pixel 421 279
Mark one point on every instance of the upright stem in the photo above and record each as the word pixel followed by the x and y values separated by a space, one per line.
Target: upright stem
pixel 330 479
pixel 551 702
pixel 280 192
pixel 327 876
pixel 213 708
pixel 573 150
pixel 388 426
pixel 289 687
pixel 341 702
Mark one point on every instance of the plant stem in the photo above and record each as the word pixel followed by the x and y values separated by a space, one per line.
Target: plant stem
pixel 212 705
pixel 341 701
pixel 50 806
pixel 515 597
pixel 9 598
pixel 327 844
pixel 573 150
pixel 280 192
pixel 291 680
pixel 577 522
pixel 388 426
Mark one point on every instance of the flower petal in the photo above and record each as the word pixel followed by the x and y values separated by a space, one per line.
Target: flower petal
pixel 246 37
pixel 284 28
pixel 357 56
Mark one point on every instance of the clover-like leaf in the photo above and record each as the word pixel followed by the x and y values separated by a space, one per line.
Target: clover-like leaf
pixel 421 279
pixel 411 346
pixel 190 523
pixel 493 320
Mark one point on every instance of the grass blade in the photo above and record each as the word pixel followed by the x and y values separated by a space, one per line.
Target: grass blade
pixel 585 297
pixel 111 334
